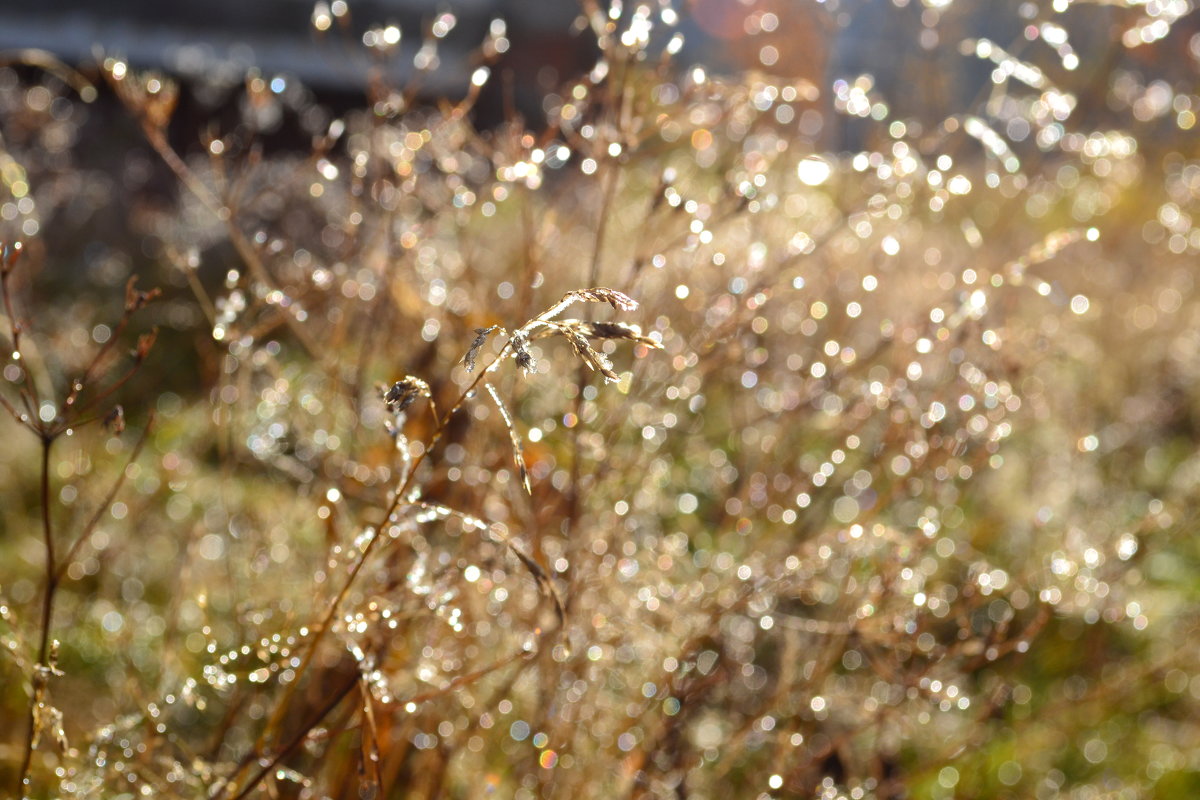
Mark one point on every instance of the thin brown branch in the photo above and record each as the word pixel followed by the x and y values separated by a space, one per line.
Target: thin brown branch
pixel 158 140
pixel 40 672
pixel 326 622
pixel 86 532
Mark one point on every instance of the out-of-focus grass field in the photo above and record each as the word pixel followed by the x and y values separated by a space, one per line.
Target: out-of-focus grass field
pixel 883 487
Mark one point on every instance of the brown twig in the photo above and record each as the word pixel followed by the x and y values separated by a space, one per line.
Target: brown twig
pixel 48 591
pixel 105 504
pixel 326 622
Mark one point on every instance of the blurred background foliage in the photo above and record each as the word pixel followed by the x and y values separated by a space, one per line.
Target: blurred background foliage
pixel 891 492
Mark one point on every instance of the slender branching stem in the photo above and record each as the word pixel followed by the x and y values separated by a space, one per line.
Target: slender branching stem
pixel 40 668
pixel 345 690
pixel 77 386
pixel 326 622
pixel 48 541
pixel 28 392
pixel 244 247
pixel 86 532
pixel 11 409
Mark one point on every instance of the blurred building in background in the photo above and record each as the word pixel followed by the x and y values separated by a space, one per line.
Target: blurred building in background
pixel 217 41
pixel 222 38
pixel 916 56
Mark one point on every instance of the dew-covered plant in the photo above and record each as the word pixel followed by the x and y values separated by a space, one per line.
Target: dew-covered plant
pixel 52 414
pixel 883 490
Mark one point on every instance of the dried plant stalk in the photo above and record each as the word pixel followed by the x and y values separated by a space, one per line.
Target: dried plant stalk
pixel 499 535
pixel 514 437
pixel 599 294
pixel 594 359
pixel 405 392
pixel 600 330
pixel 481 337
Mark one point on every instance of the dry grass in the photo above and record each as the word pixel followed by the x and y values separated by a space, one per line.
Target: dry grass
pixel 870 477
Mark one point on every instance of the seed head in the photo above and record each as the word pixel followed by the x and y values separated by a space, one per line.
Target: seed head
pixel 404 393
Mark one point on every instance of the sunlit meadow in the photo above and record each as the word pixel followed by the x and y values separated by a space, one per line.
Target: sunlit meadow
pixel 809 415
